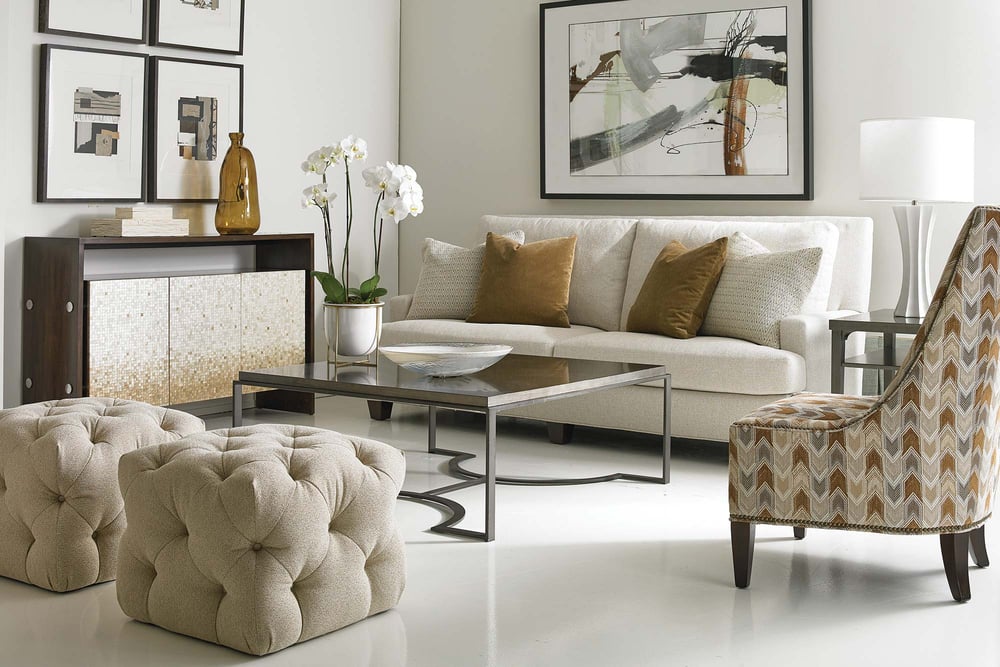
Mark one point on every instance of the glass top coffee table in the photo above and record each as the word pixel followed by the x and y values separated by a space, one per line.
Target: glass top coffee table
pixel 515 381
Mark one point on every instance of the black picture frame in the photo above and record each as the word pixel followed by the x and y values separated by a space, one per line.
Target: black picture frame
pixel 800 188
pixel 153 160
pixel 157 39
pixel 45 25
pixel 45 141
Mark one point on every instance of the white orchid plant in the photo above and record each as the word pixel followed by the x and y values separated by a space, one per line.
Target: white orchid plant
pixel 399 197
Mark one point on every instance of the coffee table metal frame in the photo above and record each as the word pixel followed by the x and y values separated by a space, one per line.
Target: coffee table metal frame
pixel 490 406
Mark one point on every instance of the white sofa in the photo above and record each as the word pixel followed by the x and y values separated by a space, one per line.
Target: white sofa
pixel 715 380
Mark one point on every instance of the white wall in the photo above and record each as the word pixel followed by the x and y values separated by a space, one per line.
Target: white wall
pixel 315 71
pixel 469 114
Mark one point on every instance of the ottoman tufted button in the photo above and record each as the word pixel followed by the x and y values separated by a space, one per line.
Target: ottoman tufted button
pixel 61 498
pixel 257 546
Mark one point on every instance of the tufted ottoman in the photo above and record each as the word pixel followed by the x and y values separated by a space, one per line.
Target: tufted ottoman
pixel 60 509
pixel 262 536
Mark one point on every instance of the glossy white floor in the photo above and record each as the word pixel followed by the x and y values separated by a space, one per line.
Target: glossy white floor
pixel 607 574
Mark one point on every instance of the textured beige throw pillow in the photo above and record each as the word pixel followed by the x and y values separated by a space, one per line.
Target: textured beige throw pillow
pixel 757 291
pixel 449 278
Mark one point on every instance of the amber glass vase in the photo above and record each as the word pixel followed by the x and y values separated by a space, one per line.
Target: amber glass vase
pixel 238 211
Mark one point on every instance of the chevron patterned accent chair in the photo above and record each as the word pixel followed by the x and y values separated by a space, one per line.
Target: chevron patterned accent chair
pixel 919 459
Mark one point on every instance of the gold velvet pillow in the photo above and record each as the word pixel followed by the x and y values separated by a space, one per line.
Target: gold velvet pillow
pixel 525 284
pixel 674 297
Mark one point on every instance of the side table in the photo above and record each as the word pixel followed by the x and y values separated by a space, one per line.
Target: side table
pixel 887 360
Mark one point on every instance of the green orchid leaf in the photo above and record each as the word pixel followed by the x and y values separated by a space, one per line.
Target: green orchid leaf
pixel 380 292
pixel 369 286
pixel 334 291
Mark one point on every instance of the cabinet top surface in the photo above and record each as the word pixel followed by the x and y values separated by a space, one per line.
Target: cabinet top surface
pixel 213 239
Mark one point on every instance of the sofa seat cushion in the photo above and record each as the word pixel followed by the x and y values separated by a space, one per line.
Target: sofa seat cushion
pixel 524 338
pixel 703 363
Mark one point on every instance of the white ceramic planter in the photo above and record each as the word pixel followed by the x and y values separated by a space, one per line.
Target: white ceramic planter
pixel 352 329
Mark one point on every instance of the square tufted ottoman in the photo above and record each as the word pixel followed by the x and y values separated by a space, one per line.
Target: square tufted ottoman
pixel 262 536
pixel 60 508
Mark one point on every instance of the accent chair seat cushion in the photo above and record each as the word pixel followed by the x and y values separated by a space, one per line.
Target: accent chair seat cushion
pixel 61 513
pixel 702 363
pixel 260 537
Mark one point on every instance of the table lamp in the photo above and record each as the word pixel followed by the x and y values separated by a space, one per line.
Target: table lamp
pixel 927 160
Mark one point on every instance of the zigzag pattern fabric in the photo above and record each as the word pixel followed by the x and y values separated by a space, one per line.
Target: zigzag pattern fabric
pixel 921 458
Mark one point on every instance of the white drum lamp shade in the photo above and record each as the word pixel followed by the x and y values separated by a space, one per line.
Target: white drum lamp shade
pixel 914 160
pixel 918 159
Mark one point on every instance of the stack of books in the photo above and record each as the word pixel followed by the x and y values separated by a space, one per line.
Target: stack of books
pixel 141 221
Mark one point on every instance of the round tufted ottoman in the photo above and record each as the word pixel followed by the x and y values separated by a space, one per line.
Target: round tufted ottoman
pixel 262 536
pixel 60 508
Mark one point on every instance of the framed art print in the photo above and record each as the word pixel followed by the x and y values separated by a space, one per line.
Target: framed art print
pixel 202 25
pixel 91 129
pixel 119 20
pixel 196 105
pixel 676 99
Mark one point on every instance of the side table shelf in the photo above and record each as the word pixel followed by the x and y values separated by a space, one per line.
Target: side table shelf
pixel 887 360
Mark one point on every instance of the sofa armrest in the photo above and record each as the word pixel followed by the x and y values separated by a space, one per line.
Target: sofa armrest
pixel 810 337
pixel 399 306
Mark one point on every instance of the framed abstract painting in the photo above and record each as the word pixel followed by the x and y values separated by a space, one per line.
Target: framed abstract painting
pixel 92 125
pixel 118 20
pixel 202 25
pixel 676 99
pixel 196 104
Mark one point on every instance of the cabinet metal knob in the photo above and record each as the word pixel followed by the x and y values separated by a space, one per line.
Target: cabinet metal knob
pixel 69 306
pixel 28 383
pixel 69 389
pixel 29 304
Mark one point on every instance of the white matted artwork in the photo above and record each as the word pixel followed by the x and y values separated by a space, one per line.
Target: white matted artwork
pixel 92 106
pixel 196 105
pixel 697 99
pixel 119 20
pixel 204 25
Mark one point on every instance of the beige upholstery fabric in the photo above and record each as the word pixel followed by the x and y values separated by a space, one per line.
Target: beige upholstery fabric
pixel 449 278
pixel 60 510
pixel 758 291
pixel 703 363
pixel 524 338
pixel 261 537
pixel 653 234
pixel 600 263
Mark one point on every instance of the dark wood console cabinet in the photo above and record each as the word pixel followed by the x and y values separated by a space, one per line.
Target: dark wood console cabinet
pixel 56 310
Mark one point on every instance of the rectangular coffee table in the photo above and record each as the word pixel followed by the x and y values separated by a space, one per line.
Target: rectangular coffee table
pixel 515 381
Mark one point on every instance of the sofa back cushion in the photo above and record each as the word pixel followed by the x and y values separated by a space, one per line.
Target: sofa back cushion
pixel 653 234
pixel 600 265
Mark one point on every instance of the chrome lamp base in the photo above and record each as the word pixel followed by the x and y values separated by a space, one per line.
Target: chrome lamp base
pixel 916 223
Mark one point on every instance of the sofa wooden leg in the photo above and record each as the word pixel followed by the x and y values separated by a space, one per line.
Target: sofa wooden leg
pixel 800 532
pixel 977 547
pixel 743 537
pixel 380 410
pixel 560 434
pixel 955 553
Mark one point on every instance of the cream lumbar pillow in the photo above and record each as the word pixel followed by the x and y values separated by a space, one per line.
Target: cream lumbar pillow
pixel 449 278
pixel 757 291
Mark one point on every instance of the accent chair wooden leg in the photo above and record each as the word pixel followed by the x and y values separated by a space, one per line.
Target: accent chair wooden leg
pixel 380 410
pixel 977 547
pixel 800 532
pixel 560 434
pixel 955 553
pixel 743 537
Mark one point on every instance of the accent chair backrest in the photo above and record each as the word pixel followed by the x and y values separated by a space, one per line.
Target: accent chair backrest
pixel 944 403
